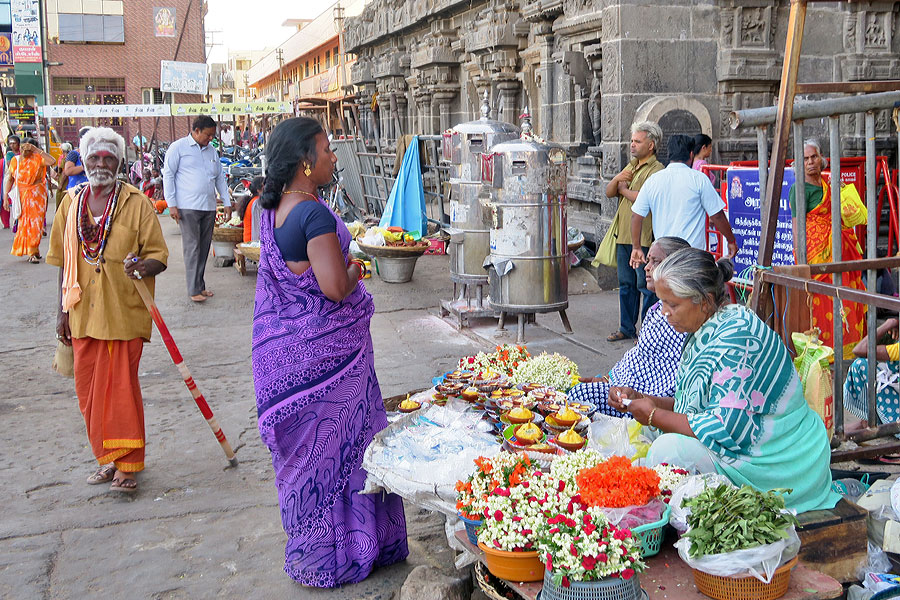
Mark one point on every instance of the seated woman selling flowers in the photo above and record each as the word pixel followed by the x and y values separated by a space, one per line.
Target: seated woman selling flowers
pixel 650 366
pixel 738 408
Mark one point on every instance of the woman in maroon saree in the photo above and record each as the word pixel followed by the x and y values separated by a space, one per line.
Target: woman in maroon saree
pixel 318 399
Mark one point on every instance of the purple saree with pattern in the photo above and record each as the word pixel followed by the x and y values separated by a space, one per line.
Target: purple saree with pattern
pixel 319 405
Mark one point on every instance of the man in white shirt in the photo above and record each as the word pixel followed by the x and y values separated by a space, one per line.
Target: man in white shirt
pixel 192 174
pixel 227 135
pixel 680 199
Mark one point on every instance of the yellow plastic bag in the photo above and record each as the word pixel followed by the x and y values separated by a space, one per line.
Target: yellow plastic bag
pixel 813 365
pixel 641 446
pixel 853 210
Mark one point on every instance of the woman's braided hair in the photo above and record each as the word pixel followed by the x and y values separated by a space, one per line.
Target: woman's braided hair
pixel 291 143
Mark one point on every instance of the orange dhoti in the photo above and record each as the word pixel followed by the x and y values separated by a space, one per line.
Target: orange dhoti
pixel 109 395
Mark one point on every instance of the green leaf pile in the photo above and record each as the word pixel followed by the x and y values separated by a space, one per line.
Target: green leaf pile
pixel 725 519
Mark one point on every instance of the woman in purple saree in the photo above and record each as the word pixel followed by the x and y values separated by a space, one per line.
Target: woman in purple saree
pixel 318 399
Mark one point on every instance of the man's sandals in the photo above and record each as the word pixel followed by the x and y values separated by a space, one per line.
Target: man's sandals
pixel 202 296
pixel 102 475
pixel 128 486
pixel 617 336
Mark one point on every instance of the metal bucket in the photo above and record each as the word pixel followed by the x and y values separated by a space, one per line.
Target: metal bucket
pixel 223 249
pixel 396 270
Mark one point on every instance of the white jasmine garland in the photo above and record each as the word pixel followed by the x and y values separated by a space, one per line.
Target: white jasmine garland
pixel 568 466
pixel 670 477
pixel 550 370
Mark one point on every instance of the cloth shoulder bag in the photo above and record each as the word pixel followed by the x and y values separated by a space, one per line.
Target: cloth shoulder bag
pixel 606 251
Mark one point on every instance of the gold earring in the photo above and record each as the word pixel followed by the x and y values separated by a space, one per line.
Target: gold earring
pixel 307 171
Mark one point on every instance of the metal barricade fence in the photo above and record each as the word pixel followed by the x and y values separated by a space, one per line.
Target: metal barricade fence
pixel 832 109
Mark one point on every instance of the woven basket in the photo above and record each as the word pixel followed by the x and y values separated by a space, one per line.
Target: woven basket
pixel 745 588
pixel 612 588
pixel 394 251
pixel 250 252
pixel 228 234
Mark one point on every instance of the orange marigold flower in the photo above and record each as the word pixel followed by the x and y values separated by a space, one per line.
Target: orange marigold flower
pixel 616 483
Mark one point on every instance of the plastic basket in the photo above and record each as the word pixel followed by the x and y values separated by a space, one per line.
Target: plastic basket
pixel 746 588
pixel 612 588
pixel 471 529
pixel 651 535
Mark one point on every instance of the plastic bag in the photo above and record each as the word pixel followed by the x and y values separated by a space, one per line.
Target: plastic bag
pixel 853 211
pixel 758 561
pixel 629 517
pixel 876 562
pixel 609 436
pixel 374 236
pixel 688 489
pixel 813 365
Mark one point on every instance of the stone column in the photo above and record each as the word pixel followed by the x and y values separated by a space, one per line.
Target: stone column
pixel 443 98
pixel 509 89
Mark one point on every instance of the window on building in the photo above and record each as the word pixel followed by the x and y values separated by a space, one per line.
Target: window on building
pixel 334 53
pixel 316 66
pixel 307 68
pixel 327 58
pixel 83 28
pixel 155 96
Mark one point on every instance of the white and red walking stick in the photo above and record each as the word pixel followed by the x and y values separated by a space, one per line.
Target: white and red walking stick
pixel 185 373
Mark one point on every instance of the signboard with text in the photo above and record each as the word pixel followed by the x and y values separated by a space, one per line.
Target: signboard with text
pixel 21 109
pixel 7 81
pixel 6 53
pixel 744 217
pixel 183 77
pixel 60 111
pixel 26 30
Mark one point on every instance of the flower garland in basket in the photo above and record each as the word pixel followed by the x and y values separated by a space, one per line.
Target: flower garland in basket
pixel 617 483
pixel 580 545
pixel 504 470
pixel 670 477
pixel 504 360
pixel 550 370
pixel 514 514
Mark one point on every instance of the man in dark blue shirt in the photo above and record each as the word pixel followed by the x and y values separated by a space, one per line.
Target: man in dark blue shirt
pixel 74 169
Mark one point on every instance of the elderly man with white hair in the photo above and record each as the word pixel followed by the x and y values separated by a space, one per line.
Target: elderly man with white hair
pixel 105 234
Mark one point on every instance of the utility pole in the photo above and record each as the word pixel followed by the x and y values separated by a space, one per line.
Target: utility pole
pixel 280 53
pixel 339 22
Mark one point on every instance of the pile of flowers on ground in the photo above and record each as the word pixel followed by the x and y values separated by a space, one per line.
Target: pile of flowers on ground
pixel 503 360
pixel 504 470
pixel 551 370
pixel 670 477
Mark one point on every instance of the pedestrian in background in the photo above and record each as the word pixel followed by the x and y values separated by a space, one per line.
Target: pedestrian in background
pixel 702 152
pixel 74 168
pixel 645 140
pixel 100 313
pixel 192 175
pixel 12 149
pixel 28 173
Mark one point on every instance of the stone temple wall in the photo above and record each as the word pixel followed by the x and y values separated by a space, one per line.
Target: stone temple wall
pixel 587 69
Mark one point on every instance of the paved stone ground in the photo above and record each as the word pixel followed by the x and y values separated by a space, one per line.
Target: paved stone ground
pixel 197 529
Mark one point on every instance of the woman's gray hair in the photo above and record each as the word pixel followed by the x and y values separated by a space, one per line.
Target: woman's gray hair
pixel 653 131
pixel 671 244
pixel 102 138
pixel 695 275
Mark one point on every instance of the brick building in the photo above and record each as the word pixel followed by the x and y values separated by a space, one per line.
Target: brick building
pixel 110 52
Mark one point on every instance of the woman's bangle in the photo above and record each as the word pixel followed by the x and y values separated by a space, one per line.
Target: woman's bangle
pixel 650 418
pixel 362 268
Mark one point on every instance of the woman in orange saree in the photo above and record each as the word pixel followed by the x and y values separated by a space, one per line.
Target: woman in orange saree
pixel 818 250
pixel 28 172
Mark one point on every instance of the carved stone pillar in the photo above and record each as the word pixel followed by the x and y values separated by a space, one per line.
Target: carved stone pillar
pixel 508 90
pixel 443 97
